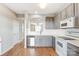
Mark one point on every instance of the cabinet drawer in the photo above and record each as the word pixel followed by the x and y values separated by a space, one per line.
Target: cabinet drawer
pixel 71 52
pixel 73 47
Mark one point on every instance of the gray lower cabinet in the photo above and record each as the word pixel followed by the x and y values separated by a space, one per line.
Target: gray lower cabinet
pixel 72 50
pixel 53 42
pixel 37 42
pixel 43 41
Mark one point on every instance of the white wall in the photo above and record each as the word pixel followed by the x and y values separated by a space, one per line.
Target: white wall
pixel 15 31
pixel 7 12
pixel 9 28
pixel 8 32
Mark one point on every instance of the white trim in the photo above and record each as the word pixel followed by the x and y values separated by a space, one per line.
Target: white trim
pixel 7 50
pixel 10 47
pixel 26 30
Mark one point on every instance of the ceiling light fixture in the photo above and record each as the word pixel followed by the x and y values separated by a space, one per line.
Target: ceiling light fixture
pixel 43 5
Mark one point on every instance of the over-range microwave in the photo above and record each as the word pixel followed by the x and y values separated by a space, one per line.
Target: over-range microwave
pixel 69 23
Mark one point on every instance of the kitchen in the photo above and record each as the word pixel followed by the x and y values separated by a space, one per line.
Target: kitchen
pixel 65 22
pixel 59 30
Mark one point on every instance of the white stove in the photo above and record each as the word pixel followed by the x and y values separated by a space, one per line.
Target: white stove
pixel 61 42
pixel 61 47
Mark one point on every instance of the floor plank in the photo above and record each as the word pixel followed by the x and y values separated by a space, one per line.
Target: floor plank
pixel 19 50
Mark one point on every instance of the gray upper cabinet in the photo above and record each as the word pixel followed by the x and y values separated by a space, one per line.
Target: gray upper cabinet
pixel 70 10
pixel 63 14
pixel 57 20
pixel 77 12
pixel 49 23
pixel 76 9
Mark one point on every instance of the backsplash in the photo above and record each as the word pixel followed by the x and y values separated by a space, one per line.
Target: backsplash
pixel 73 32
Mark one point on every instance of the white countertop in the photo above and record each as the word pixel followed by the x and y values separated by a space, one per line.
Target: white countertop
pixel 48 33
pixel 74 42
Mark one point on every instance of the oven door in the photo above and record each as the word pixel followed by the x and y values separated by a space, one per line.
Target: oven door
pixel 61 47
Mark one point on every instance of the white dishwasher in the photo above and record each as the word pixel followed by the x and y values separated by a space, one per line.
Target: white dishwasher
pixel 31 41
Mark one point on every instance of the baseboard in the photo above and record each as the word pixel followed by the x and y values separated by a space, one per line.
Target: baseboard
pixel 2 53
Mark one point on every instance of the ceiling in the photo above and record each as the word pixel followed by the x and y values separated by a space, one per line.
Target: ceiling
pixel 21 8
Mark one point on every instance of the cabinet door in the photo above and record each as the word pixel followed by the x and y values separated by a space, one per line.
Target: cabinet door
pixel 76 9
pixel 47 41
pixel 43 41
pixel 37 42
pixel 70 10
pixel 49 23
pixel 77 13
pixel 53 42
pixel 57 21
pixel 72 50
pixel 63 14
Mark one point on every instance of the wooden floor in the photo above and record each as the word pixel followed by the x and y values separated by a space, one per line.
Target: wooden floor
pixel 18 50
